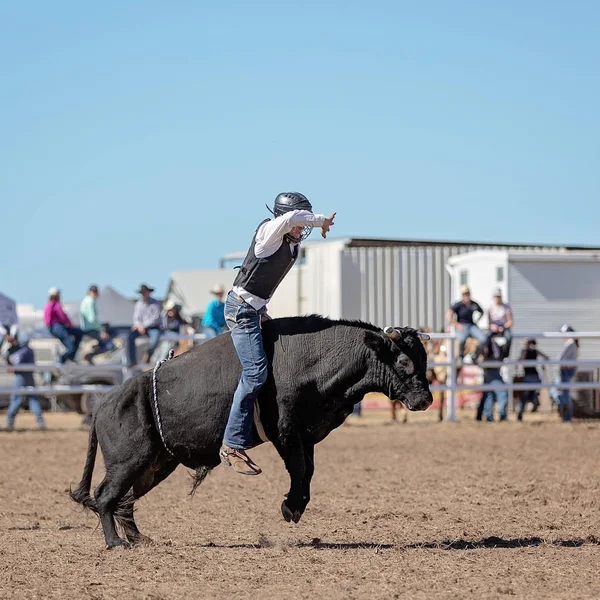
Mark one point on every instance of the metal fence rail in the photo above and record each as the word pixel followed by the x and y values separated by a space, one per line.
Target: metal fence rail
pixel 451 387
pixel 453 365
pixel 53 390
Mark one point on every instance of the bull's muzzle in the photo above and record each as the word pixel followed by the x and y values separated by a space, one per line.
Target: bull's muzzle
pixel 420 401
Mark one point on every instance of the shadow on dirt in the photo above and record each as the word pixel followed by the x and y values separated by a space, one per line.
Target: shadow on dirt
pixel 497 542
pixel 491 542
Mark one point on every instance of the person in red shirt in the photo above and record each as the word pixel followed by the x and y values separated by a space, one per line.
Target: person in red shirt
pixel 60 326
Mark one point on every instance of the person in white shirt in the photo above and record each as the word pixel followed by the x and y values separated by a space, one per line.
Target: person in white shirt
pixel 570 352
pixel 272 254
pixel 500 319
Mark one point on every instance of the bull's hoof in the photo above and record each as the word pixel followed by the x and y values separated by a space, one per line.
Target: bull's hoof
pixel 118 545
pixel 142 540
pixel 289 515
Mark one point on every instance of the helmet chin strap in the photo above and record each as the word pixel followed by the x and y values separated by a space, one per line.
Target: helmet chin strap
pixel 288 237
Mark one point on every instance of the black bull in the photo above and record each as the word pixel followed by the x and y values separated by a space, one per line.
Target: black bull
pixel 318 370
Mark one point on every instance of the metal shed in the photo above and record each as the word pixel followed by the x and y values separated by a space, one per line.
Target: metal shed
pixel 403 282
pixel 383 281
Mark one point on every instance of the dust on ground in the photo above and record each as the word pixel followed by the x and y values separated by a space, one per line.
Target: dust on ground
pixel 416 510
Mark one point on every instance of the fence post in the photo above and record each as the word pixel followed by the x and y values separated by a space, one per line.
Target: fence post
pixel 450 382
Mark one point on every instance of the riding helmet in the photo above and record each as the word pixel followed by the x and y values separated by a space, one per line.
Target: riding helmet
pixel 287 201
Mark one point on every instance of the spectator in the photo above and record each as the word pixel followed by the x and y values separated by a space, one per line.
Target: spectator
pixel 146 321
pixel 570 352
pixel 60 326
pixel 530 375
pixel 173 321
pixel 91 326
pixel 9 324
pixel 500 319
pixel 460 315
pixel 21 354
pixel 492 375
pixel 214 317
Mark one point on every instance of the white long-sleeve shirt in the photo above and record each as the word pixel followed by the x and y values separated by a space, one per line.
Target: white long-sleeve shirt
pixel 269 238
pixel 570 352
pixel 147 314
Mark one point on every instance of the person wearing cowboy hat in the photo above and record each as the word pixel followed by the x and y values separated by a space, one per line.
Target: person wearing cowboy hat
pixel 173 320
pixel 146 321
pixel 214 317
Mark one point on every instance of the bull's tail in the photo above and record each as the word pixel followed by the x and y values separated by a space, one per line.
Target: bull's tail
pixel 81 494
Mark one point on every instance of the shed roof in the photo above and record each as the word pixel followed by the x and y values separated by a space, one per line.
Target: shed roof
pixel 520 256
pixel 359 242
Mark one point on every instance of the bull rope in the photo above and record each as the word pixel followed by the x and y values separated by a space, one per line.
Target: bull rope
pixel 158 421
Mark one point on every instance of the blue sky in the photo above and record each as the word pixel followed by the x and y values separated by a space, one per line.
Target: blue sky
pixel 139 138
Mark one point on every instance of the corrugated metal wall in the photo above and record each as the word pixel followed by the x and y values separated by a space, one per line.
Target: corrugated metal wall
pixel 545 295
pixel 402 285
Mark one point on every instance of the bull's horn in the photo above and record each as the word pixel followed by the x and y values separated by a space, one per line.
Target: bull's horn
pixel 424 336
pixel 392 333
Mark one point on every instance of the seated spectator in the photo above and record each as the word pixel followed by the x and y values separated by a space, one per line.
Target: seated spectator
pixel 147 322
pixel 9 324
pixel 172 320
pixel 530 375
pixel 460 315
pixel 91 326
pixel 214 317
pixel 21 354
pixel 500 319
pixel 60 326
pixel 492 375
pixel 570 352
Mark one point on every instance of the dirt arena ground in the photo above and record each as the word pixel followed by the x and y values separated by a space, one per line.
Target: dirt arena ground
pixel 422 510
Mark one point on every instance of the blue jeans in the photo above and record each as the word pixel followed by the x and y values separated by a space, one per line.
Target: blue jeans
pixel 565 402
pixel 153 334
pixel 470 331
pixel 103 345
pixel 507 335
pixel 24 379
pixel 244 323
pixel 70 338
pixel 501 396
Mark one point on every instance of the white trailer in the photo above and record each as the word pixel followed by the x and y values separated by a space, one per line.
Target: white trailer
pixel 545 290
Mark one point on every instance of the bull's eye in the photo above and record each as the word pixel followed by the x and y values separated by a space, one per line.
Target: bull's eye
pixel 406 365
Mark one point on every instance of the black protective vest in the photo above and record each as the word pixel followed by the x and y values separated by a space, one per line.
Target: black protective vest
pixel 261 276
